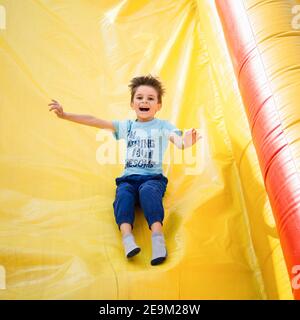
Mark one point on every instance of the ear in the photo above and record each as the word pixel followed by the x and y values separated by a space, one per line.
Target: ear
pixel 158 106
pixel 131 105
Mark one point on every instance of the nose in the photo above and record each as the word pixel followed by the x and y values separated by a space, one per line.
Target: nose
pixel 145 101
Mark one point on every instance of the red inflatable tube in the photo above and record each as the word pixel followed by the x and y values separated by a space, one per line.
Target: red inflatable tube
pixel 278 167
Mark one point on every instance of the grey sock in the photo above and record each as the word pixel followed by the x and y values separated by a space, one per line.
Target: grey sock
pixel 159 251
pixel 131 248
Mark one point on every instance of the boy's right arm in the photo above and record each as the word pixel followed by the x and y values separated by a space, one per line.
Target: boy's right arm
pixel 80 118
pixel 88 120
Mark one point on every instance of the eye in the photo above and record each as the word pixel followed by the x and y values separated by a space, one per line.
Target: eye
pixel 151 99
pixel 139 98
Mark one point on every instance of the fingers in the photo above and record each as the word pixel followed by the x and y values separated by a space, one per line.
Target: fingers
pixel 193 135
pixel 54 102
pixel 193 132
pixel 54 105
pixel 196 134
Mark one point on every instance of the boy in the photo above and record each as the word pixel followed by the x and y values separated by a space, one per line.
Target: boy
pixel 142 181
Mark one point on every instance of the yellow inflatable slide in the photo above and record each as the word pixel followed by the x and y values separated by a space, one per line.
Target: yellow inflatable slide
pixel 58 237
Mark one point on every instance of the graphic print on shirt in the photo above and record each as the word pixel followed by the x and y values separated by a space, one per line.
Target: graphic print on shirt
pixel 143 150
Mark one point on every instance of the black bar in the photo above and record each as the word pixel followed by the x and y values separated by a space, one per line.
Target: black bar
pixel 142 309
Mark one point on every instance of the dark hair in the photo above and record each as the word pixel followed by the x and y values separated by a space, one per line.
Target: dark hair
pixel 146 81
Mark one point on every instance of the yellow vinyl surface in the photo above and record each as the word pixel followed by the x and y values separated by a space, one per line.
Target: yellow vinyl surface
pixel 58 237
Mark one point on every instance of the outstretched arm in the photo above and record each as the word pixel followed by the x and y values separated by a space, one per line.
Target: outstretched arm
pixel 80 118
pixel 190 137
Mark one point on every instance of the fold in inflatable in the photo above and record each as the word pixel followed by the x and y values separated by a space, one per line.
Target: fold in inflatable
pixel 232 215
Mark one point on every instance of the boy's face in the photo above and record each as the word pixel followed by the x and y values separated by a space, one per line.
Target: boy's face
pixel 145 103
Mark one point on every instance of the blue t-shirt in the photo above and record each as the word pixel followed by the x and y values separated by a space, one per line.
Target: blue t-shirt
pixel 146 143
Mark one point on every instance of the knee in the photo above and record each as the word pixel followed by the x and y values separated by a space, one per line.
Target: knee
pixel 125 189
pixel 147 191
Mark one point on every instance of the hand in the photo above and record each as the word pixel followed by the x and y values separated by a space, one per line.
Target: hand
pixel 191 137
pixel 58 109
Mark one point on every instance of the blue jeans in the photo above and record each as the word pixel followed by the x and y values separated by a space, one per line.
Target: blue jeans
pixel 145 190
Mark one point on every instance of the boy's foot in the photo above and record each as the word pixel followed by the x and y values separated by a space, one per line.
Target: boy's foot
pixel 159 251
pixel 133 252
pixel 131 248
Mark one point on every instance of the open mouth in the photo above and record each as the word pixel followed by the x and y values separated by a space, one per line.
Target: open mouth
pixel 144 109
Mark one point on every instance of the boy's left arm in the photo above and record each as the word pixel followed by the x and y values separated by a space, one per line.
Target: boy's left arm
pixel 189 138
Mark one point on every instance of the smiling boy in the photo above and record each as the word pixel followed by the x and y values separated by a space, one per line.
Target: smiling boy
pixel 142 181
